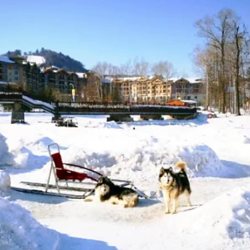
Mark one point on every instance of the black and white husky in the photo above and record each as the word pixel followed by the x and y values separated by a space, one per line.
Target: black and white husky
pixel 173 184
pixel 107 191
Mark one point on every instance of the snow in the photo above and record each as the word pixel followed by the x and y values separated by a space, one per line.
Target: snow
pixel 37 102
pixel 81 74
pixel 216 151
pixel 38 60
pixel 5 59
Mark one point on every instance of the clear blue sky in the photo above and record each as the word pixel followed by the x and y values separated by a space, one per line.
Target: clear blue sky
pixel 114 31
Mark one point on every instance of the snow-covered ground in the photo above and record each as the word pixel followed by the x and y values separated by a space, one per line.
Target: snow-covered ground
pixel 217 154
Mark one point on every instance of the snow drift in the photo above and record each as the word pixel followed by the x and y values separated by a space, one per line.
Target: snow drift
pixel 6 158
pixel 18 230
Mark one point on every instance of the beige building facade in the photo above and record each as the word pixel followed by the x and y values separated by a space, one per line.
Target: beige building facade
pixel 144 90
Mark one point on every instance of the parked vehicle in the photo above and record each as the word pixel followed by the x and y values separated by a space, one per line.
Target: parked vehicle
pixel 67 122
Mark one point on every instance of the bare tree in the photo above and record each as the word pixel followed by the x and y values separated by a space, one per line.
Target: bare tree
pixel 164 68
pixel 101 68
pixel 127 68
pixel 238 39
pixel 91 90
pixel 217 31
pixel 206 61
pixel 141 67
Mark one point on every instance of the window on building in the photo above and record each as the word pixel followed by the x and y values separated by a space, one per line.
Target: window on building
pixel 195 97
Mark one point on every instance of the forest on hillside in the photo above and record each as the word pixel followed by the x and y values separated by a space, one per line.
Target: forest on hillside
pixel 52 58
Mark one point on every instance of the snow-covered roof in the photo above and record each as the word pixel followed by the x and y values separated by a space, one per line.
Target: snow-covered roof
pixel 5 59
pixel 7 83
pixel 189 79
pixel 80 74
pixel 189 101
pixel 38 60
pixel 131 78
pixel 107 79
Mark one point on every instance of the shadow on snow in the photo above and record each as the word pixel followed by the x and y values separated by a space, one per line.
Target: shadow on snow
pixel 72 243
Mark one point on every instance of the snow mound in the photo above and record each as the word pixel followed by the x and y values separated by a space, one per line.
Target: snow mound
pixel 16 157
pixel 202 161
pixel 143 160
pixel 98 124
pixel 18 230
pixel 112 125
pixel 42 143
pixel 4 181
pixel 227 214
pixel 6 158
pixel 246 140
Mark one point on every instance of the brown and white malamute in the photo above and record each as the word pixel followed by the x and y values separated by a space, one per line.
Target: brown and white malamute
pixel 173 184
pixel 107 191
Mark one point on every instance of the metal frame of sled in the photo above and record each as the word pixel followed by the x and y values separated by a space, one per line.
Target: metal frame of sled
pixel 62 173
pixel 67 173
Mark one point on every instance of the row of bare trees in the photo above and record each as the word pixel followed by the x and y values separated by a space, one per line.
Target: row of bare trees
pixel 95 90
pixel 224 60
pixel 137 67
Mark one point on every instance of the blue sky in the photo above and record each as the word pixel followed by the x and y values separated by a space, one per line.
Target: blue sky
pixel 114 31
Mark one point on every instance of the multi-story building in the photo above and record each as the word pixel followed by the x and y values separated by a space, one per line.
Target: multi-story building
pixel 32 78
pixel 18 72
pixel 4 63
pixel 187 89
pixel 144 89
pixel 11 71
pixel 63 82
pixel 155 89
pixel 15 71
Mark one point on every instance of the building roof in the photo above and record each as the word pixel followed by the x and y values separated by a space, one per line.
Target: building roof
pixel 5 59
pixel 189 79
pixel 81 74
pixel 38 60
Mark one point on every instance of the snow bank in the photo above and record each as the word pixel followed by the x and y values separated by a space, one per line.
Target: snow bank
pixel 142 160
pixel 5 157
pixel 246 140
pixel 4 181
pixel 19 231
pixel 226 215
pixel 41 143
pixel 12 157
pixel 98 124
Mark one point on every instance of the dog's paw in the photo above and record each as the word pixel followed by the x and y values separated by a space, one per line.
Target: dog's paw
pixel 173 212
pixel 166 211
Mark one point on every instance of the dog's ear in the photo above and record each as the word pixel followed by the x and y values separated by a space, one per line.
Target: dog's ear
pixel 170 169
pixel 162 171
pixel 100 180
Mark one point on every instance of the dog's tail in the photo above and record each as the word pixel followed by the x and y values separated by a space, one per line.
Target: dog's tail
pixel 181 165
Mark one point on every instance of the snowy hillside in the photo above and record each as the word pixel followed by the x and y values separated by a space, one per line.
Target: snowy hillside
pixel 36 59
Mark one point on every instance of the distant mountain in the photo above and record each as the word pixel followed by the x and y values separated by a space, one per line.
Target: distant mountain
pixel 51 58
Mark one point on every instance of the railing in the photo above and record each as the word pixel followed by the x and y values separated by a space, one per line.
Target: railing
pixel 98 107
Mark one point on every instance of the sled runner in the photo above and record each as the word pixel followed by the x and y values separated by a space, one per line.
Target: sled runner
pixel 71 178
